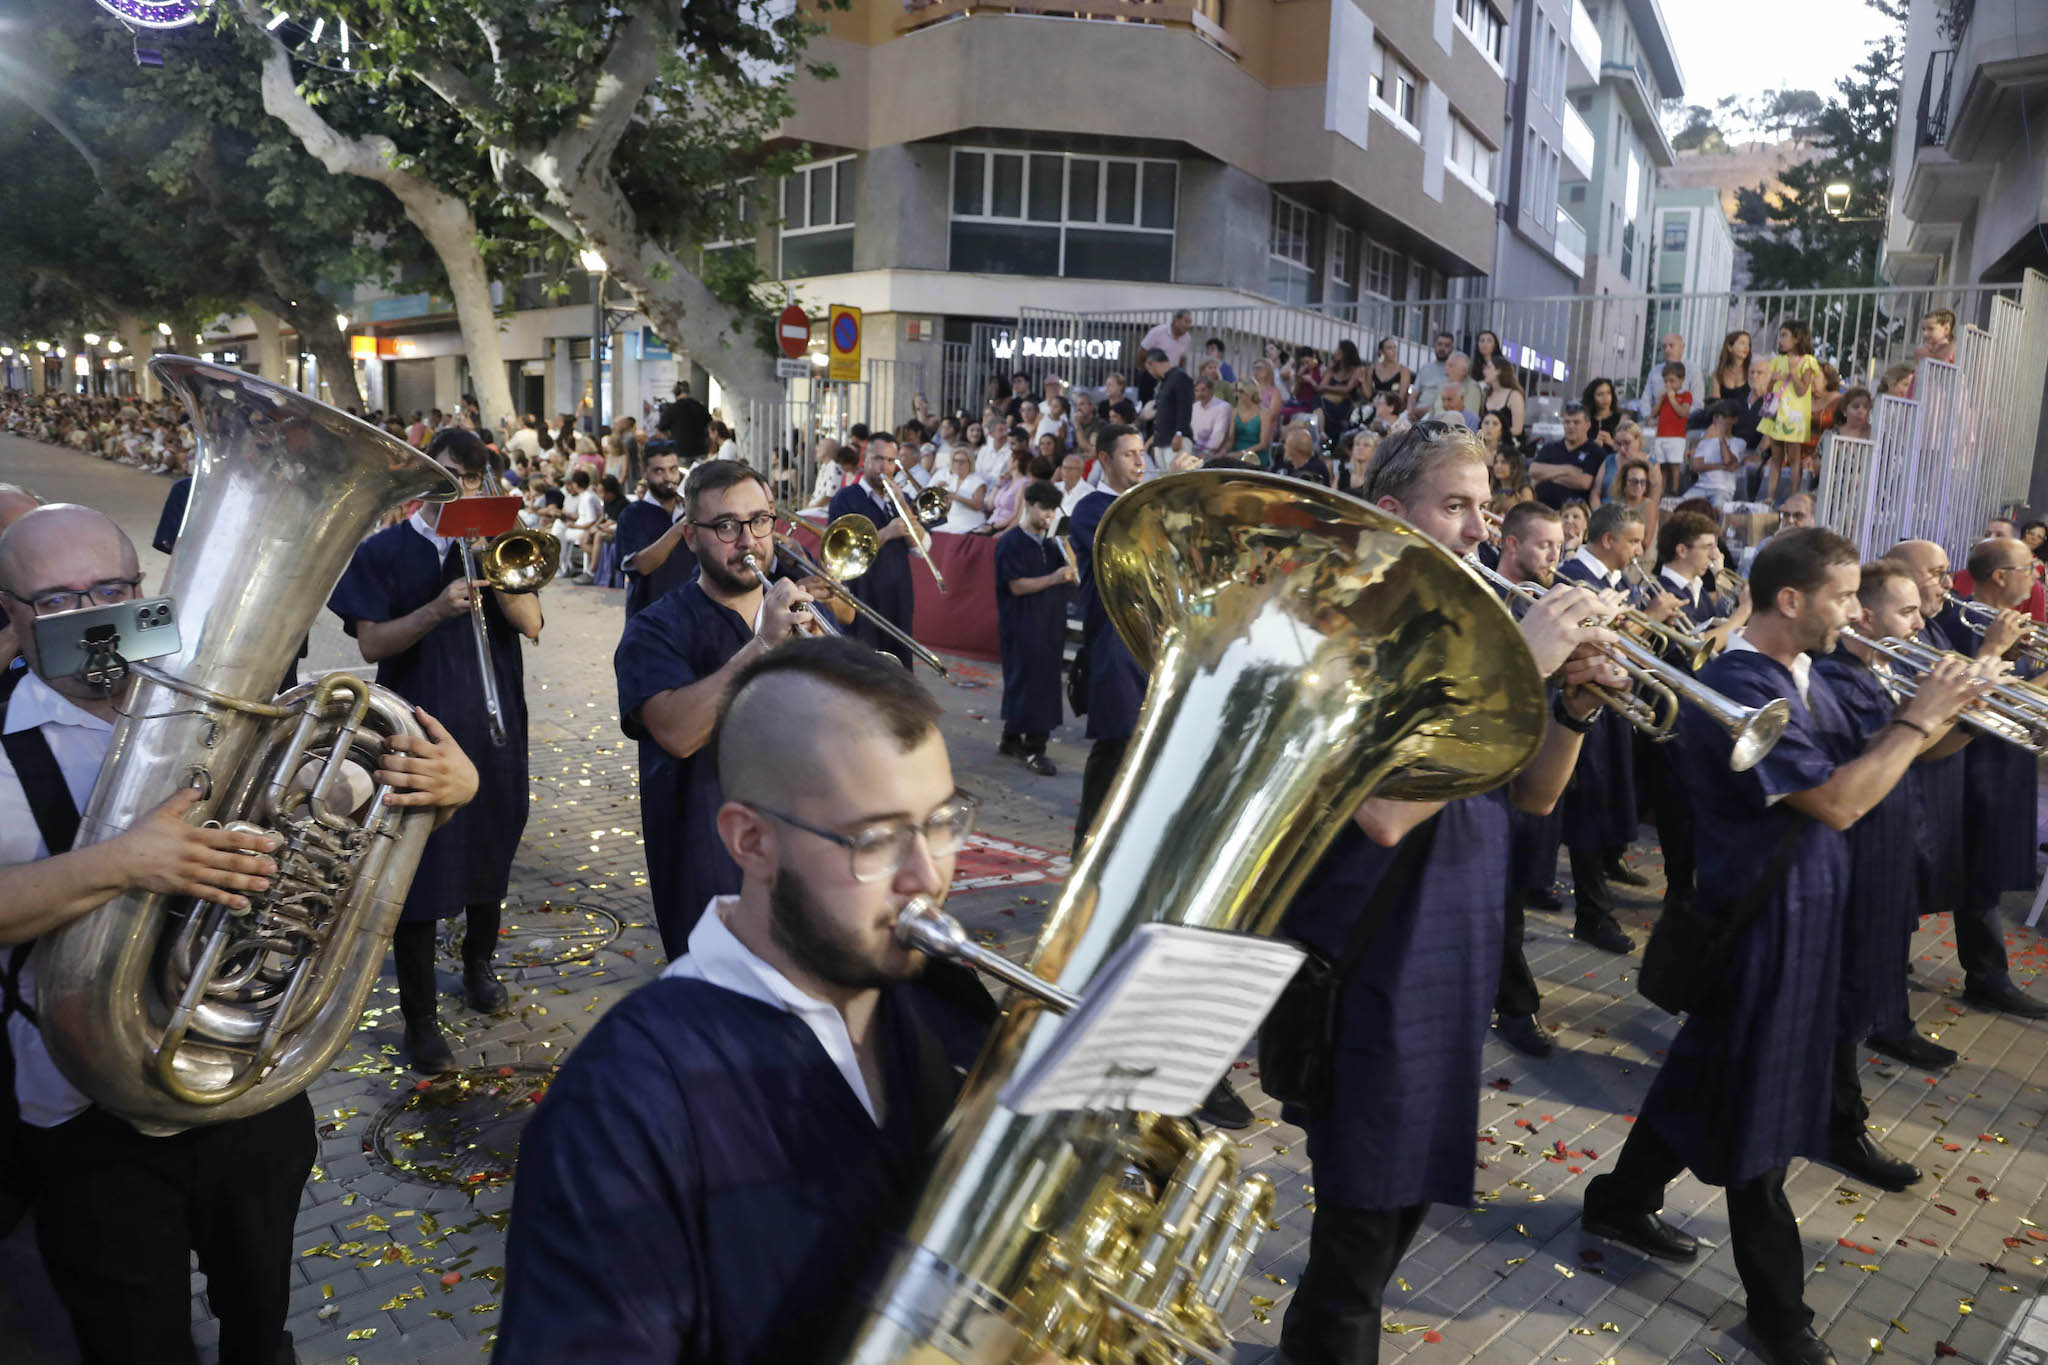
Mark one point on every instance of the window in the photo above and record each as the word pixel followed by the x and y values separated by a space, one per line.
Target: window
pixel 1290 252
pixel 1470 159
pixel 1612 216
pixel 1676 229
pixel 1477 18
pixel 1394 86
pixel 1620 135
pixel 1343 264
pixel 1628 252
pixel 1579 193
pixel 817 219
pixel 1633 200
pixel 1379 270
pixel 1047 213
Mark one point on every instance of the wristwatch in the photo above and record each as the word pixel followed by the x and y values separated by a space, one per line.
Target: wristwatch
pixel 1563 715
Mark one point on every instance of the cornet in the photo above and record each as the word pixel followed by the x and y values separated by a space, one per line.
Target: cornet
pixel 2010 711
pixel 1978 616
pixel 1652 707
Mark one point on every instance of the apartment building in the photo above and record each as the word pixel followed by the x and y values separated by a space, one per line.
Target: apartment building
pixel 1539 247
pixel 1638 71
pixel 1969 195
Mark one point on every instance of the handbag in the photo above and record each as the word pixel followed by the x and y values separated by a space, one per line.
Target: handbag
pixel 1690 950
pixel 1298 1040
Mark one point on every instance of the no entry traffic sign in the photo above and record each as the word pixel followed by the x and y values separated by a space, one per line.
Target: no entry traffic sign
pixel 793 331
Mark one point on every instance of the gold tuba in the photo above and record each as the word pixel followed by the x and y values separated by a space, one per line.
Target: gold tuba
pixel 172 1013
pixel 1305 650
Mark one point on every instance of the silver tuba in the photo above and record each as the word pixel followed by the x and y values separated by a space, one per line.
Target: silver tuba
pixel 173 1013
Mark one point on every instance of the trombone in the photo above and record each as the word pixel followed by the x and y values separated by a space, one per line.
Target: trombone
pixel 522 560
pixel 1652 707
pixel 850 545
pixel 919 541
pixel 2008 711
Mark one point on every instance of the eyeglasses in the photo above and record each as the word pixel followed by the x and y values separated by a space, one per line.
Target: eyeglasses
pixel 727 529
pixel 105 593
pixel 879 851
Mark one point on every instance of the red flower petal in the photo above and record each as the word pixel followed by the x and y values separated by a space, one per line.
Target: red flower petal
pixel 1942 1348
pixel 1432 1337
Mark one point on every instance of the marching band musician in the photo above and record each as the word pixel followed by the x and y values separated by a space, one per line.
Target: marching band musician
pixel 674 662
pixel 406 601
pixel 1531 541
pixel 1878 934
pixel 1413 1020
pixel 1116 685
pixel 1747 1083
pixel 886 586
pixel 721 1160
pixel 119 1214
pixel 1999 793
pixel 1599 806
pixel 650 536
pixel 1032 577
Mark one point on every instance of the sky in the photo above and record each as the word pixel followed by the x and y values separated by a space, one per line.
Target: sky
pixel 1745 47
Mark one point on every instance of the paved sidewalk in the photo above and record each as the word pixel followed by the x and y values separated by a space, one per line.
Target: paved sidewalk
pixel 410 1188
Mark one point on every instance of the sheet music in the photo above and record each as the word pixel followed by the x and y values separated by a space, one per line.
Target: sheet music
pixel 1159 1024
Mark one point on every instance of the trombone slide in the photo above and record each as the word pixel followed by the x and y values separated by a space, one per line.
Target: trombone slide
pixel 788 546
pixel 494 710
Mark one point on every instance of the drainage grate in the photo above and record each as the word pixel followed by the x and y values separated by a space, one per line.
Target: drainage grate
pixel 462 1130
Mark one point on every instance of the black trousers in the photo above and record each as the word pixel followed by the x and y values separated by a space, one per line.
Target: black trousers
pixel 118 1216
pixel 1847 1111
pixel 1027 742
pixel 1760 1222
pixel 1592 902
pixel 1671 810
pixel 897 602
pixel 1517 995
pixel 412 955
pixel 1980 944
pixel 1335 1316
pixel 1105 756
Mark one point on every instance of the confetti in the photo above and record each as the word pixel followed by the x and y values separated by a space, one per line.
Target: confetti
pixel 1432 1337
pixel 362 1334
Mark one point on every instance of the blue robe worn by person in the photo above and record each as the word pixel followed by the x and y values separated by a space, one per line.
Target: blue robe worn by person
pixel 1116 685
pixel 1032 631
pixel 1598 812
pixel 886 586
pixel 1937 786
pixel 1999 839
pixel 397 571
pixel 705 1185
pixel 639 526
pixel 683 638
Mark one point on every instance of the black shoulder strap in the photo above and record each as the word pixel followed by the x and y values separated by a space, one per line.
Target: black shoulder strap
pixel 49 799
pixel 1409 856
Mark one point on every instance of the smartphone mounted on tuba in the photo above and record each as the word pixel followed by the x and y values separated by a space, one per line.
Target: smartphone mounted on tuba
pixel 98 643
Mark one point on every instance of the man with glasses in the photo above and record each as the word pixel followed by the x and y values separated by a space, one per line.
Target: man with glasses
pixel 406 600
pixel 720 1166
pixel 886 585
pixel 119 1214
pixel 674 663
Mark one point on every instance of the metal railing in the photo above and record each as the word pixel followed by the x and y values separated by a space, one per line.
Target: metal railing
pixel 1936 91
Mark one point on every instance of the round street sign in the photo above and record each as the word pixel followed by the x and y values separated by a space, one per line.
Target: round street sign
pixel 793 331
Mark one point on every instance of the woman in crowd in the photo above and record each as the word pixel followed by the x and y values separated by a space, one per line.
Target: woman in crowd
pixel 1485 349
pixel 1303 381
pixel 1006 503
pixel 1357 459
pixel 1054 422
pixel 967 509
pixel 1342 383
pixel 2035 534
pixel 1503 398
pixel 1510 477
pixel 1048 446
pixel 1730 378
pixel 1390 376
pixel 1272 398
pixel 1634 486
pixel 1628 445
pixel 1251 425
pixel 1603 411
pixel 1574 514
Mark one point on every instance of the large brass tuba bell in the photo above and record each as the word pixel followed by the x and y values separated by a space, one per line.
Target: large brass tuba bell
pixel 1305 650
pixel 172 1013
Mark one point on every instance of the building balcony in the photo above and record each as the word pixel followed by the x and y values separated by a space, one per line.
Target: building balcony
pixel 1584 47
pixel 1569 246
pixel 1199 18
pixel 1940 186
pixel 1633 83
pixel 1579 147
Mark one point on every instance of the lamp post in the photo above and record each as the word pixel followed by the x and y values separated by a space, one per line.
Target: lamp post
pixel 594 262
pixel 92 362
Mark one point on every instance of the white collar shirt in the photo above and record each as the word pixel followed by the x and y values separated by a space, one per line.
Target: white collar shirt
pixel 1689 586
pixel 79 741
pixel 1589 560
pixel 1802 667
pixel 442 544
pixel 716 956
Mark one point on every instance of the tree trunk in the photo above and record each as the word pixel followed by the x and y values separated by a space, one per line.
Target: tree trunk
pixel 442 218
pixel 337 366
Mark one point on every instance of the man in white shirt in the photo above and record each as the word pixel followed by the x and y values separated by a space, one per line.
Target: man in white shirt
pixel 114 1208
pixel 1210 425
pixel 1073 483
pixel 1672 351
pixel 1171 337
pixel 526 440
pixel 582 510
pixel 1429 376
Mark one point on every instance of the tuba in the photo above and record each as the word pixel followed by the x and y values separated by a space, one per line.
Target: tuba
pixel 1305 650
pixel 171 1012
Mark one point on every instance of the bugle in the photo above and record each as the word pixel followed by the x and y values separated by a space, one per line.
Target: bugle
pixel 1652 706
pixel 2009 711
pixel 857 544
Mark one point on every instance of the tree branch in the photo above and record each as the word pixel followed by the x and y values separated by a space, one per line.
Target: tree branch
pixel 25 89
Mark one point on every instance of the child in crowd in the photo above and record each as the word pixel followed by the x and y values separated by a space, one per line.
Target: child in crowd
pixel 1853 412
pixel 1897 382
pixel 1794 380
pixel 1718 457
pixel 1674 406
pixel 1937 337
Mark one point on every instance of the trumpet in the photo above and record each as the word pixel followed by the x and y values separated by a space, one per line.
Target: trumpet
pixel 850 544
pixel 1978 616
pixel 1652 706
pixel 2011 711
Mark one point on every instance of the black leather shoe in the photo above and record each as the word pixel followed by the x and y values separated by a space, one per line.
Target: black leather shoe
pixel 1223 1108
pixel 1913 1050
pixel 1621 873
pixel 1644 1232
pixel 1545 900
pixel 1522 1033
pixel 1041 765
pixel 1864 1160
pixel 1605 935
pixel 428 1050
pixel 1009 748
pixel 1801 1348
pixel 2005 997
pixel 487 995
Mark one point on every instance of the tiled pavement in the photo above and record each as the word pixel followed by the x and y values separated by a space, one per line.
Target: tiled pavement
pixel 1954 1266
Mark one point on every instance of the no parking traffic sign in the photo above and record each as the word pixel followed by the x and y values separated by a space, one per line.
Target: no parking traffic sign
pixel 842 339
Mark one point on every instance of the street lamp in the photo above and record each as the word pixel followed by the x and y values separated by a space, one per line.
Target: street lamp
pixel 163 329
pixel 341 322
pixel 92 338
pixel 594 262
pixel 44 347
pixel 1835 198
